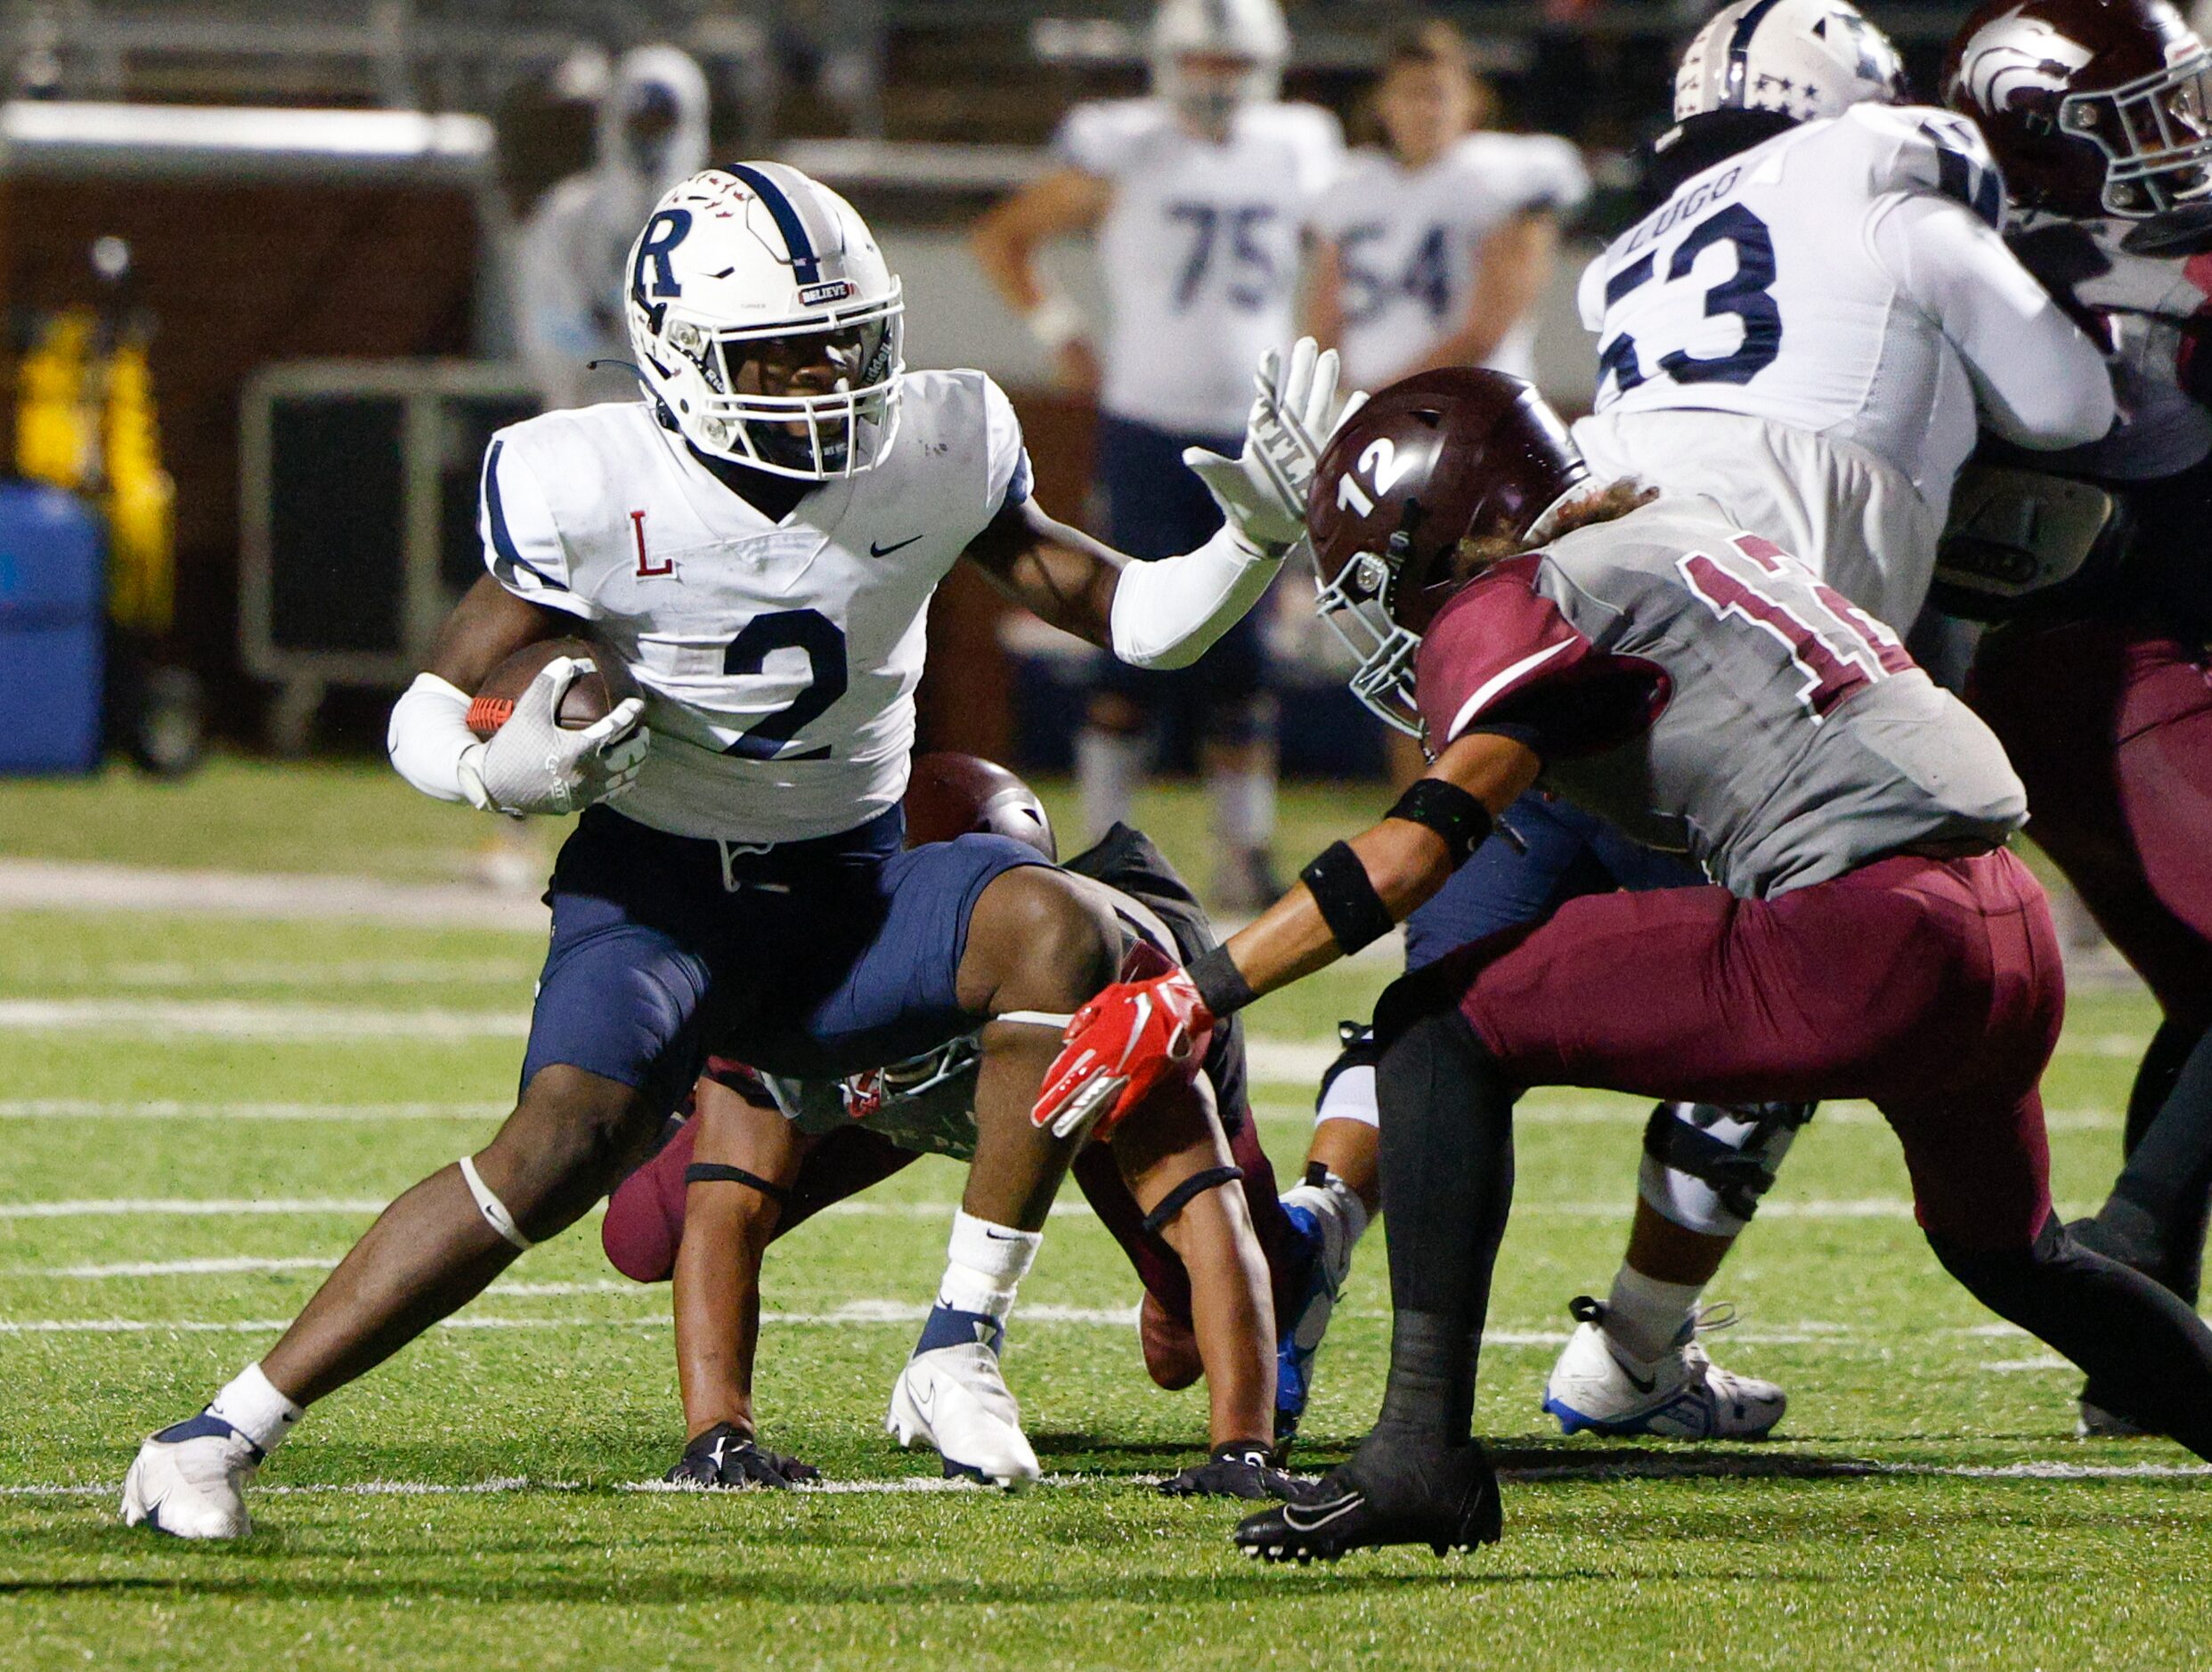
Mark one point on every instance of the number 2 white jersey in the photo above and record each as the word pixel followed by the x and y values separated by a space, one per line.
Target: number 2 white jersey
pixel 1840 288
pixel 1406 241
pixel 778 661
pixel 1199 249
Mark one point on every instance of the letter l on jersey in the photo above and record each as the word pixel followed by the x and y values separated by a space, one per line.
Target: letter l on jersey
pixel 648 570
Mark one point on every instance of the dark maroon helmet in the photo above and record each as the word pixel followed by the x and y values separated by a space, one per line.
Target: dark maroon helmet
pixel 2091 108
pixel 1428 462
pixel 950 795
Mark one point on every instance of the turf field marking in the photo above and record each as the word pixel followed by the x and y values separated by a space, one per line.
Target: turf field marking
pixel 312 972
pixel 1862 1207
pixel 1597 1465
pixel 56 1108
pixel 227 1019
pixel 176 1268
pixel 191 1207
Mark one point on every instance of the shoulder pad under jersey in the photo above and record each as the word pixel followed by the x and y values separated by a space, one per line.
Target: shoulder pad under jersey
pixel 1918 148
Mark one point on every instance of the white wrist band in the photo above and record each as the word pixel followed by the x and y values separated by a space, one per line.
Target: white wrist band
pixel 431 745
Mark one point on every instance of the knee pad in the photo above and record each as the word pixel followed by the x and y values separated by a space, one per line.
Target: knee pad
pixel 1347 1090
pixel 1705 1166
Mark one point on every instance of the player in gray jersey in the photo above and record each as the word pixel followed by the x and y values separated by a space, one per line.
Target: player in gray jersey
pixel 1666 671
pixel 1802 327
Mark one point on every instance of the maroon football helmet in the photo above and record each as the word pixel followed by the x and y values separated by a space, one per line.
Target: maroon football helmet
pixel 1424 463
pixel 949 795
pixel 2091 108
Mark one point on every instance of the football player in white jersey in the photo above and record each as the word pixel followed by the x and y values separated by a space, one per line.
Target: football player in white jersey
pixel 756 541
pixel 1802 329
pixel 1197 196
pixel 1433 249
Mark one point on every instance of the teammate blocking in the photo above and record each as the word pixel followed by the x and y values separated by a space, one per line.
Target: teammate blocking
pixel 1691 682
pixel 756 541
pixel 1803 327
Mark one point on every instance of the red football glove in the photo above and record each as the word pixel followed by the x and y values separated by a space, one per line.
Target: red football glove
pixel 1147 1028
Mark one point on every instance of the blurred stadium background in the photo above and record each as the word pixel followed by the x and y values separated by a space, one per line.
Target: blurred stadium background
pixel 259 262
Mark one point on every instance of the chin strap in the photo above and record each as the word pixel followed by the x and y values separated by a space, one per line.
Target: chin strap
pixel 1035 1018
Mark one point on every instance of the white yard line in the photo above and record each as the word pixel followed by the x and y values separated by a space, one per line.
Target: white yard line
pixel 1596 1466
pixel 191 1206
pixel 47 885
pixel 853 1313
pixel 73 1108
pixel 224 1019
pixel 309 972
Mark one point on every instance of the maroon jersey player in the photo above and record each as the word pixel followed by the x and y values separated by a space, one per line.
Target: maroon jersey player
pixel 1865 933
pixel 2099 686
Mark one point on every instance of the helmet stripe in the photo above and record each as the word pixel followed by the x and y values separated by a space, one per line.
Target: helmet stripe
pixel 1739 52
pixel 788 221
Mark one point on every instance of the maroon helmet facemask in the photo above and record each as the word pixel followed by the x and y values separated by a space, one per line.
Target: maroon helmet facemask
pixel 2091 107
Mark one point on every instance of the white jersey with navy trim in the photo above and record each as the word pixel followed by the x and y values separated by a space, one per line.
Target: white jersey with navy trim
pixel 779 659
pixel 1803 331
pixel 1199 249
pixel 1407 241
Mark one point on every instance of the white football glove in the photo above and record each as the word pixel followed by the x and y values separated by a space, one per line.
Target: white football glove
pixel 1262 492
pixel 533 764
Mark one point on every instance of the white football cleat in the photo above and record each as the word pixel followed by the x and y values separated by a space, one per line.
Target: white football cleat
pixel 188 1481
pixel 1681 1395
pixel 953 1397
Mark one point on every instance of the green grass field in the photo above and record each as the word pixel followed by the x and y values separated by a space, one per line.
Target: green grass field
pixel 200 1112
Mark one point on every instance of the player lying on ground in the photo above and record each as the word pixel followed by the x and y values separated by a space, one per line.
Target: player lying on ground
pixel 763 1154
pixel 1801 328
pixel 1866 933
pixel 755 542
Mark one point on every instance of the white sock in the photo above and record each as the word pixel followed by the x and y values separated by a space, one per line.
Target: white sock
pixel 984 1265
pixel 1643 1316
pixel 1244 807
pixel 1108 765
pixel 252 1405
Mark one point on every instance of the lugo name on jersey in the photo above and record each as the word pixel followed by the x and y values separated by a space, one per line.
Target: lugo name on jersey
pixel 779 659
pixel 1757 288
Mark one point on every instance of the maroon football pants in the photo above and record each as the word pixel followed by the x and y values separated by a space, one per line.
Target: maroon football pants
pixel 645 1219
pixel 1931 988
pixel 2109 724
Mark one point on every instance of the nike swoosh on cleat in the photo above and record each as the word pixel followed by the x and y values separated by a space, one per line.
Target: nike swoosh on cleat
pixel 1641 1384
pixel 1293 1514
pixel 875 550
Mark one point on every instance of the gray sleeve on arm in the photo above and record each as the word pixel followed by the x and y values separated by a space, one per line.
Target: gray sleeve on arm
pixel 2039 382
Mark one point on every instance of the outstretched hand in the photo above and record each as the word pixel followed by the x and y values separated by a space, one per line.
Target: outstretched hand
pixel 1262 492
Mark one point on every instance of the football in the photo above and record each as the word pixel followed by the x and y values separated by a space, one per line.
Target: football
pixel 588 701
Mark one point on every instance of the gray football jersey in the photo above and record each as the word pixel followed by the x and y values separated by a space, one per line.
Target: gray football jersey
pixel 1701 689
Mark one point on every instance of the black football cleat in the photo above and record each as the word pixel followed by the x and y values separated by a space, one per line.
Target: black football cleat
pixel 1394 1491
